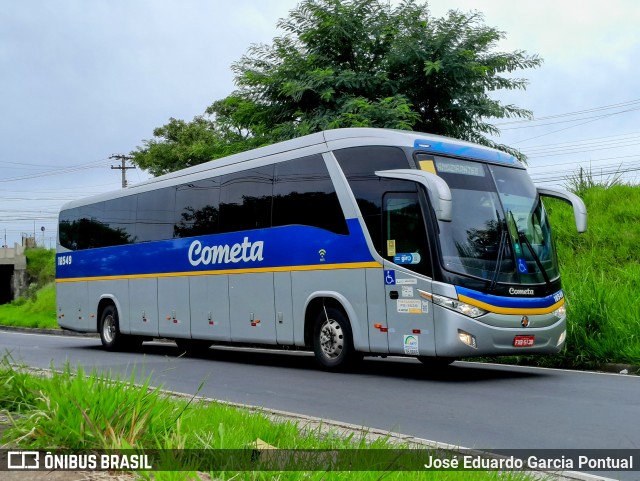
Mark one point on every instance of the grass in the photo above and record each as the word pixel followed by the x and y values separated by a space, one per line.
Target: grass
pixel 38 310
pixel 601 277
pixel 72 410
pixel 41 265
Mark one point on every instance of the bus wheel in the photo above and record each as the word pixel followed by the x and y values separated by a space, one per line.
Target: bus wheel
pixel 435 362
pixel 332 340
pixel 110 335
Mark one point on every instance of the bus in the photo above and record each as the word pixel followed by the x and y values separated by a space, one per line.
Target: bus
pixel 348 243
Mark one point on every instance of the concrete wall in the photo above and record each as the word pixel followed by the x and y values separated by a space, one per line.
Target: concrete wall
pixel 14 256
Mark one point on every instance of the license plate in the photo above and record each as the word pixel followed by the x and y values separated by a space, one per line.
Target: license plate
pixel 523 341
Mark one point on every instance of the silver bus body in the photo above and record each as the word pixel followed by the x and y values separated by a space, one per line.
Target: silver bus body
pixel 312 253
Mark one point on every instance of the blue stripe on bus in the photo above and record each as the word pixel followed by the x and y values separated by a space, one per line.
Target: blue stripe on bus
pixel 261 248
pixel 465 151
pixel 511 302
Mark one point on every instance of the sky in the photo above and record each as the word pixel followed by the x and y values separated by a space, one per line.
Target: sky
pixel 82 80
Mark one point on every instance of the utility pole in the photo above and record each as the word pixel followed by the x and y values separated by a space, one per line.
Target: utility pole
pixel 123 167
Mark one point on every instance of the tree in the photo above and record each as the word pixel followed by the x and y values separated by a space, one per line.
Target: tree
pixel 354 63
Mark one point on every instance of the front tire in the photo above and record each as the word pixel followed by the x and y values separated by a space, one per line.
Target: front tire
pixel 332 340
pixel 110 335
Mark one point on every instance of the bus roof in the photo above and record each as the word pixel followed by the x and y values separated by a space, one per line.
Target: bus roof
pixel 335 138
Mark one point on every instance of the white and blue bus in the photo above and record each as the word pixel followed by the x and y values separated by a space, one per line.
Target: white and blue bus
pixel 347 242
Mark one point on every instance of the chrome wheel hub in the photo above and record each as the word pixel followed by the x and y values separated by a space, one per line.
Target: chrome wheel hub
pixel 331 339
pixel 109 329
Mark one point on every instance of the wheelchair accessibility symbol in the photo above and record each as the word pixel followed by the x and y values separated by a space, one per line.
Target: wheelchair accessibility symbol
pixel 522 266
pixel 389 278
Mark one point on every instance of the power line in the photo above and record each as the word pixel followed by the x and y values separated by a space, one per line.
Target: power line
pixel 591 139
pixel 554 177
pixel 569 114
pixel 49 173
pixel 572 126
pixel 613 141
pixel 577 162
pixel 578 150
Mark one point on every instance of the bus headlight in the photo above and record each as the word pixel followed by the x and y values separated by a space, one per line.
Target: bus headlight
pixel 455 305
pixel 560 312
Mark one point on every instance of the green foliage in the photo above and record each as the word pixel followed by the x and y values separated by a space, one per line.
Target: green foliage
pixel 41 266
pixel 38 310
pixel 601 276
pixel 353 63
pixel 583 180
pixel 415 71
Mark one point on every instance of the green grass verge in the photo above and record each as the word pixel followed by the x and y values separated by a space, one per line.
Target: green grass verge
pixel 41 265
pixel 601 277
pixel 36 311
pixel 75 411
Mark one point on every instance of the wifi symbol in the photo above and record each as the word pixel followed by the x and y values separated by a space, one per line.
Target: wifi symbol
pixel 322 253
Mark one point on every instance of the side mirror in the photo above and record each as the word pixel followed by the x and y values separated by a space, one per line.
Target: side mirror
pixel 579 209
pixel 438 189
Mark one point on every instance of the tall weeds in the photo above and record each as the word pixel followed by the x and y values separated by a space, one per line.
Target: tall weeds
pixel 601 276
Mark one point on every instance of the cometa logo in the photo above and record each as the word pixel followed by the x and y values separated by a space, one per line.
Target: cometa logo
pixel 224 254
pixel 522 292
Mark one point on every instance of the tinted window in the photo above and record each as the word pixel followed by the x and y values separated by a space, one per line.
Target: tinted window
pixel 67 229
pixel 245 200
pixel 405 235
pixel 359 165
pixel 304 194
pixel 155 215
pixel 197 208
pixel 119 220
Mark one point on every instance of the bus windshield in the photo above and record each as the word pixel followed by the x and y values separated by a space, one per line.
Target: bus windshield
pixel 500 230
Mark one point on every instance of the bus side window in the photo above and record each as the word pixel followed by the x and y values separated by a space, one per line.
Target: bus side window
pixel 245 200
pixel 405 232
pixel 359 165
pixel 155 214
pixel 305 195
pixel 197 208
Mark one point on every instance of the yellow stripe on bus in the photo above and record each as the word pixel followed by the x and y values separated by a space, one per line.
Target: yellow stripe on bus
pixel 317 267
pixel 510 310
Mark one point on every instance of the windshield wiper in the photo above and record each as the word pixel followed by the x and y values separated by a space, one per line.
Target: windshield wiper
pixel 522 237
pixel 501 249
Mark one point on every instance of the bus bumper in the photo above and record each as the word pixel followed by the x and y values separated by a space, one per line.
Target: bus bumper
pixel 460 336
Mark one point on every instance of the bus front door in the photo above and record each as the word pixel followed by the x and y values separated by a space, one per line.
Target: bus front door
pixel 410 324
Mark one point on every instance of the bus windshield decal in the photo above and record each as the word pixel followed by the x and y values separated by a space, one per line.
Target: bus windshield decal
pixel 461 167
pixel 224 254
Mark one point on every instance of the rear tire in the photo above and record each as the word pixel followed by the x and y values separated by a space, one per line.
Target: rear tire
pixel 332 340
pixel 110 335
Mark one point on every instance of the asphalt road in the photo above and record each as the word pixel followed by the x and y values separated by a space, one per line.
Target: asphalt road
pixel 472 405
